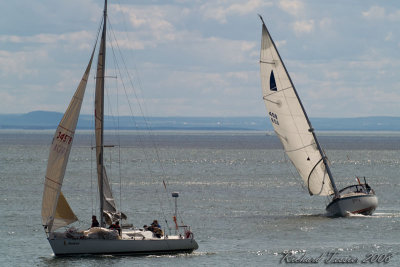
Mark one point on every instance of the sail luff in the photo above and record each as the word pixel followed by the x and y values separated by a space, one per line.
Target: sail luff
pixel 293 125
pixel 57 162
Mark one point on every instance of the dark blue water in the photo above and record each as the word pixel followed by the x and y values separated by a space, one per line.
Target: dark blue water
pixel 241 196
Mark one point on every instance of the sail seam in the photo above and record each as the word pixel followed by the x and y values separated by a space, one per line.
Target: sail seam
pixel 264 97
pixel 277 103
pixel 66 129
pixel 79 98
pixel 53 181
pixel 297 149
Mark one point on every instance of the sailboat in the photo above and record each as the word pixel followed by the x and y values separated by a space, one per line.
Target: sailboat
pixel 293 127
pixel 58 214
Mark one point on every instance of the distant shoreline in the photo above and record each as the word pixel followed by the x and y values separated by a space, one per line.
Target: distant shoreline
pixel 43 120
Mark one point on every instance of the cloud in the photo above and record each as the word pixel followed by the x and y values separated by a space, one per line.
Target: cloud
pixel 139 17
pixel 325 23
pixel 378 12
pixel 19 63
pixel 281 43
pixel 81 39
pixel 395 16
pixel 303 26
pixel 293 7
pixel 220 10
pixel 188 92
pixel 375 12
pixel 389 36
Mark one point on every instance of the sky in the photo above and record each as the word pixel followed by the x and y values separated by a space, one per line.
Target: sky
pixel 201 58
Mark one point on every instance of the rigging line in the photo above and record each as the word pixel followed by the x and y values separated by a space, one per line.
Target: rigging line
pixel 130 107
pixel 148 126
pixel 130 80
pixel 92 141
pixel 92 123
pixel 290 167
pixel 117 127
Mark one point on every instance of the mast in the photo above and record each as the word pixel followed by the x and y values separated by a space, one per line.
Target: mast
pixel 102 74
pixel 311 129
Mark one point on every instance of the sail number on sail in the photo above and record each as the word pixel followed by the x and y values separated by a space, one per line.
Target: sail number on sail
pixel 274 118
pixel 63 142
pixel 64 138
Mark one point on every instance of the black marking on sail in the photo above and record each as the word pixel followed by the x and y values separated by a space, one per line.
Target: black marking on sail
pixel 309 176
pixel 272 83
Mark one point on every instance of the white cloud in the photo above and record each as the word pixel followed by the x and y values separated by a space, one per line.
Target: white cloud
pixel 281 43
pixel 205 67
pixel 325 23
pixel 375 12
pixel 293 7
pixel 378 12
pixel 81 39
pixel 220 10
pixel 389 36
pixel 303 26
pixel 395 16
pixel 19 63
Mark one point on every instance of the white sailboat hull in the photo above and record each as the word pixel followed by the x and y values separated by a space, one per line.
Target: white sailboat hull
pixel 355 204
pixel 67 246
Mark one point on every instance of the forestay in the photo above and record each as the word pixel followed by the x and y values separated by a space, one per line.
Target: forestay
pixel 289 119
pixel 56 211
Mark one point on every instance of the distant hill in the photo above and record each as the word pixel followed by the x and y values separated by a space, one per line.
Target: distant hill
pixel 50 120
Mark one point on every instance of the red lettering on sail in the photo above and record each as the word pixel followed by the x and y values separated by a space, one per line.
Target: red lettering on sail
pixel 65 138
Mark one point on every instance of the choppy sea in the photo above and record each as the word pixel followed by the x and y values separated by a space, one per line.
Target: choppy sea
pixel 241 196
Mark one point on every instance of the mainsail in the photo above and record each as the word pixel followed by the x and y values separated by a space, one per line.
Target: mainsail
pixel 56 211
pixel 290 121
pixel 107 203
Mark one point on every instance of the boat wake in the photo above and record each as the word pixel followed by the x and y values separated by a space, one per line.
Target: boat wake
pixel 183 255
pixel 375 215
pixel 385 215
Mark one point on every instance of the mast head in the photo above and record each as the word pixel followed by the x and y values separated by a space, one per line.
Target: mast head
pixel 261 18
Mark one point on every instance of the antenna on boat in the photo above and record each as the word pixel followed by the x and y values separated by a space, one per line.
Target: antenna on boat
pixel 175 195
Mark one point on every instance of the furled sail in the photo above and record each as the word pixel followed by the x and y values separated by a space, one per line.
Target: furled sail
pixel 289 119
pixel 56 211
pixel 107 201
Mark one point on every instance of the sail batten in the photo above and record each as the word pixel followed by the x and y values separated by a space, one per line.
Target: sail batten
pixel 290 121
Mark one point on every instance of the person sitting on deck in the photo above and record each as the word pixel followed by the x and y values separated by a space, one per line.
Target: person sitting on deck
pixel 155 224
pixel 95 223
pixel 115 226
pixel 368 187
pixel 156 229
